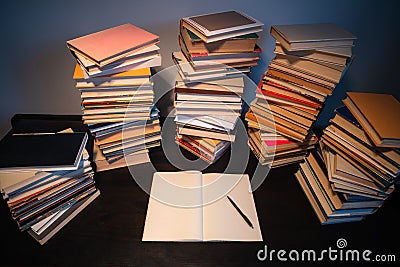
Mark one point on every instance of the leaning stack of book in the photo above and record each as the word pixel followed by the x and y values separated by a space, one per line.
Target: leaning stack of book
pixel 360 150
pixel 216 49
pixel 50 184
pixel 309 61
pixel 329 206
pixel 113 76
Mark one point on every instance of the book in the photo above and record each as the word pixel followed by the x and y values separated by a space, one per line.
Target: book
pixel 216 71
pixel 219 57
pixel 340 171
pixel 46 230
pixel 326 202
pixel 311 36
pixel 102 164
pixel 125 64
pixel 314 55
pixel 206 132
pixel 112 44
pixel 378 115
pixel 42 151
pixel 223 25
pixel 308 67
pixel 323 219
pixel 209 150
pixel 359 136
pixel 122 79
pixel 131 58
pixel 242 43
pixel 192 206
pixel 300 81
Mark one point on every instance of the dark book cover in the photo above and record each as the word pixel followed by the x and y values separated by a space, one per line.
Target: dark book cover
pixel 46 151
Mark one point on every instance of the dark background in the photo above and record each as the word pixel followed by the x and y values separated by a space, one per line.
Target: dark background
pixel 36 66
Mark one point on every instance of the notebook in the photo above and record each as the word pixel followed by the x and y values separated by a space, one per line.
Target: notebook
pixel 191 206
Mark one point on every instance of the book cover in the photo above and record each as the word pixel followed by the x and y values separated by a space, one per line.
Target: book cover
pixel 222 25
pixel 51 151
pixel 378 114
pixel 111 44
pixel 311 36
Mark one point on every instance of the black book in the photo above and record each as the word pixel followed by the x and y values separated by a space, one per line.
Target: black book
pixel 42 151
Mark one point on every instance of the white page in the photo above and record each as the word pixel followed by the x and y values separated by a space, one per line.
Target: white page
pixel 174 211
pixel 221 221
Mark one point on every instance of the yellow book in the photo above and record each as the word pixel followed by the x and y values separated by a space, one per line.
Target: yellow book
pixel 78 74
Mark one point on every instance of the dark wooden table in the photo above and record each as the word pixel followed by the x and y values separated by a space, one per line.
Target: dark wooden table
pixel 109 231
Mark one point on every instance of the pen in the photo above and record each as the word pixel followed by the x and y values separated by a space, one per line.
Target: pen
pixel 240 212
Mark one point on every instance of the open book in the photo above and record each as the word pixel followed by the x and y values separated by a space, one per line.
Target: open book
pixel 191 206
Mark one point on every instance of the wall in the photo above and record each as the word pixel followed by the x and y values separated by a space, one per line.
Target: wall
pixel 36 68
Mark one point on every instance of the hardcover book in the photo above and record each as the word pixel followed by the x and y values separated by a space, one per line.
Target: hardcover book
pixel 112 44
pixel 311 36
pixel 223 25
pixel 378 114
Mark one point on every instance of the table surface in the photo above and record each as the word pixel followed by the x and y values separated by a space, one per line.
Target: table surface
pixel 109 230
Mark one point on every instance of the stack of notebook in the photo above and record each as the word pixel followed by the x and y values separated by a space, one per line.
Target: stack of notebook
pixel 360 150
pixel 50 184
pixel 113 76
pixel 216 49
pixel 309 61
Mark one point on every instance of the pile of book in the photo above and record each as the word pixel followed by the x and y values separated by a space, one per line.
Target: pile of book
pixel 361 160
pixel 113 75
pixel 50 184
pixel 309 61
pixel 216 49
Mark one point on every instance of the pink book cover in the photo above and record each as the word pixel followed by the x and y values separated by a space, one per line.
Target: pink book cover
pixel 108 45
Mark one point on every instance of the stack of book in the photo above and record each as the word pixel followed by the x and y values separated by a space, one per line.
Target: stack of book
pixel 216 49
pixel 113 75
pixel 309 61
pixel 361 160
pixel 50 184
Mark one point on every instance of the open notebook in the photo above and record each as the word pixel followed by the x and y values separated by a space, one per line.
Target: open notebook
pixel 191 206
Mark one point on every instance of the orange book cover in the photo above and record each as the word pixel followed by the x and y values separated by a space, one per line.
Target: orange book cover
pixel 78 73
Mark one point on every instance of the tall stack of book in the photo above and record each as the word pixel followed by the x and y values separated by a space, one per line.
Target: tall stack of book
pixel 309 61
pixel 361 160
pixel 113 75
pixel 49 184
pixel 216 49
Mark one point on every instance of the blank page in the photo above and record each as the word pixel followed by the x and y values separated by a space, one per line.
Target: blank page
pixel 221 221
pixel 174 211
